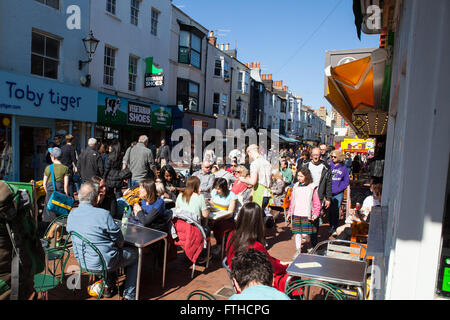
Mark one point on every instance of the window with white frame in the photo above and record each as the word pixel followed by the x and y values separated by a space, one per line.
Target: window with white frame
pixel 111 6
pixel 50 3
pixel 44 55
pixel 155 16
pixel 134 11
pixel 226 69
pixel 243 81
pixel 224 104
pixel 132 72
pixel 109 66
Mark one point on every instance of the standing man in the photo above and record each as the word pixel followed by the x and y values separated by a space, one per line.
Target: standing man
pixel 140 161
pixel 321 174
pixel 286 172
pixel 324 154
pixel 69 159
pixel 90 162
pixel 260 176
pixel 206 177
pixel 163 155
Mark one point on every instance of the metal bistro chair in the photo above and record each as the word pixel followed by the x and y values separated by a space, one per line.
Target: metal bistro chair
pixel 202 294
pixel 55 251
pixel 342 249
pixel 304 287
pixel 81 258
pixel 44 282
pixel 227 268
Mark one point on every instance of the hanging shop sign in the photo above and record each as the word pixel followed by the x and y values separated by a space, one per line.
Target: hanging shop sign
pixel 153 76
pixel 36 97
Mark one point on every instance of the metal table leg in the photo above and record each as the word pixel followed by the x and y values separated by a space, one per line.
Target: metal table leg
pixel 138 280
pixel 165 262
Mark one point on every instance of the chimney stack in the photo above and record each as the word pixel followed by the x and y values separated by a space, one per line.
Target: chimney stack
pixel 212 39
pixel 221 46
pixel 227 46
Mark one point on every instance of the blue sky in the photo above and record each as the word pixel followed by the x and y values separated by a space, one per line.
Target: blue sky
pixel 283 35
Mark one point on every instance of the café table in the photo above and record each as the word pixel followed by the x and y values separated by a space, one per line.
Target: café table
pixel 332 270
pixel 141 237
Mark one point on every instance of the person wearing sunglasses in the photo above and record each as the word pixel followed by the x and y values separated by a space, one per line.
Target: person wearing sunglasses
pixel 340 182
pixel 206 177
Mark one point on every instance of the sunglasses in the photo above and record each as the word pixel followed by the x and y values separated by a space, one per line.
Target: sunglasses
pixel 333 156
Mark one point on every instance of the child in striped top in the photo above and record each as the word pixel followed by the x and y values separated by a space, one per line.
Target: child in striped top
pixel 304 208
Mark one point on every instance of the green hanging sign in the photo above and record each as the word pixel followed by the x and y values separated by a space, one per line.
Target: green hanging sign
pixel 153 76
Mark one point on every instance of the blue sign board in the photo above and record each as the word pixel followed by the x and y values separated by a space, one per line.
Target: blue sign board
pixel 36 97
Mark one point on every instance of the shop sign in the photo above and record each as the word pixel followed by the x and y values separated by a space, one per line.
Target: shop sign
pixel 139 114
pixel 161 117
pixel 199 123
pixel 153 76
pixel 36 97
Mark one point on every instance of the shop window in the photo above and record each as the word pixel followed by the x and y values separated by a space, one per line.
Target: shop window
pixel 5 148
pixel 51 3
pixel 44 55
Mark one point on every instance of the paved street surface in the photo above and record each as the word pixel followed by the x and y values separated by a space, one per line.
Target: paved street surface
pixel 178 274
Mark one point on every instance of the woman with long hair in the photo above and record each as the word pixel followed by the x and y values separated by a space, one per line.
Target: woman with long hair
pixel 192 201
pixel 250 234
pixel 172 185
pixel 112 170
pixel 151 206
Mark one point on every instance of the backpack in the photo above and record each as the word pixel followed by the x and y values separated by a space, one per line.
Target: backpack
pixel 21 252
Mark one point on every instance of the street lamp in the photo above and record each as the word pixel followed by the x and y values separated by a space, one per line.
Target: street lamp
pixel 90 44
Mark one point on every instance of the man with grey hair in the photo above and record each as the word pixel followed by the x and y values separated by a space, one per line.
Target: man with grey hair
pixel 90 162
pixel 97 226
pixel 140 161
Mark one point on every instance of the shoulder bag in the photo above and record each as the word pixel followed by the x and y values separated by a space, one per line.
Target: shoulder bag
pixel 58 202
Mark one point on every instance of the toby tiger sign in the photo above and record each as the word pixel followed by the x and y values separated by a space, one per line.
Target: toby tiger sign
pixel 32 96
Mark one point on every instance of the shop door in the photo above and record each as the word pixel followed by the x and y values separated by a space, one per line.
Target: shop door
pixel 33 150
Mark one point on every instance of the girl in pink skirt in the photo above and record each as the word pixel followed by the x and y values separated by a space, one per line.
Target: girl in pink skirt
pixel 304 208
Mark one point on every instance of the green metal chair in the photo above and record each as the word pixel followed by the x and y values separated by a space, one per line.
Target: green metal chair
pixel 55 251
pixel 44 282
pixel 305 285
pixel 202 294
pixel 81 258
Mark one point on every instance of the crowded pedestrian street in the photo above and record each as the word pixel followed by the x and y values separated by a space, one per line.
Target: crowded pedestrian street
pixel 258 157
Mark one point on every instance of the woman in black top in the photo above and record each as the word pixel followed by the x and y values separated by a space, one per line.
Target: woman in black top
pixel 112 170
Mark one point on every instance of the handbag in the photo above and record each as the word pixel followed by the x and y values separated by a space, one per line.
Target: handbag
pixel 58 202
pixel 125 174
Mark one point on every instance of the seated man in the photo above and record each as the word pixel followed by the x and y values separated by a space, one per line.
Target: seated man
pixel 252 276
pixel 97 225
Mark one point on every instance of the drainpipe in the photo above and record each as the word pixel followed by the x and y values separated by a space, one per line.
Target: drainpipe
pixel 206 74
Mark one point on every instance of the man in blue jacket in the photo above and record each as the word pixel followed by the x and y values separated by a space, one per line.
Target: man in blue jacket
pixel 98 227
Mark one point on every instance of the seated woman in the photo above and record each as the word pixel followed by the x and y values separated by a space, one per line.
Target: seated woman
pixel 106 197
pixel 239 186
pixel 192 201
pixel 249 234
pixel 151 209
pixel 223 199
pixel 172 184
pixel 344 232
pixel 243 191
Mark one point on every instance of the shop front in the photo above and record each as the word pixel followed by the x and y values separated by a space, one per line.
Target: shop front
pixel 125 120
pixel 33 111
